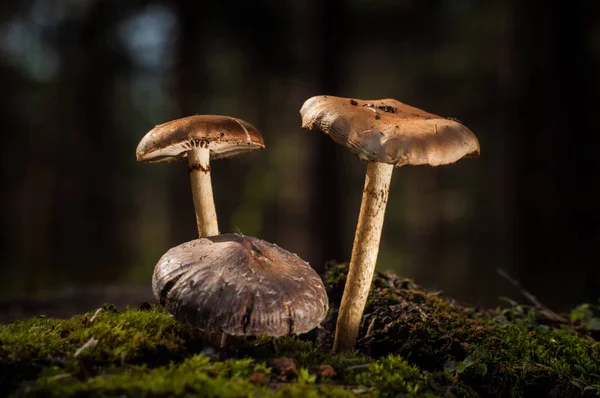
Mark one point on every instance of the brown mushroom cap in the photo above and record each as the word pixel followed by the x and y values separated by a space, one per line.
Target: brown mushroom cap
pixel 389 131
pixel 225 136
pixel 240 285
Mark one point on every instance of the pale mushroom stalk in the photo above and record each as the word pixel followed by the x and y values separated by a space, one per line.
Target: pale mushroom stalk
pixel 386 133
pixel 204 204
pixel 364 254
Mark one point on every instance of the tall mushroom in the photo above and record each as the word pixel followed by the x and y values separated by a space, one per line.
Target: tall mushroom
pixel 240 286
pixel 385 133
pixel 200 138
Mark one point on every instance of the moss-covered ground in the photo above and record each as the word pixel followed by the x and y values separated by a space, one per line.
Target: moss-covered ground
pixel 414 343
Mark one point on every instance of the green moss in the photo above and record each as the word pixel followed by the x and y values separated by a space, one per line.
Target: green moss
pixel 198 374
pixel 415 343
pixel 511 352
pixel 133 335
pixel 153 336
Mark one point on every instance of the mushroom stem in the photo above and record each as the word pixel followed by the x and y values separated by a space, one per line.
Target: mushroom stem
pixel 364 254
pixel 204 204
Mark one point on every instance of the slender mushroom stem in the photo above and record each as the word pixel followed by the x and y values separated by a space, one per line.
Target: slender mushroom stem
pixel 364 254
pixel 204 204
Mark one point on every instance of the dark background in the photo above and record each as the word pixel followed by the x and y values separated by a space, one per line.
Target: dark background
pixel 83 81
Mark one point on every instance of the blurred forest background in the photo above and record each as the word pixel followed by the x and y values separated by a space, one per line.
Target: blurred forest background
pixel 83 80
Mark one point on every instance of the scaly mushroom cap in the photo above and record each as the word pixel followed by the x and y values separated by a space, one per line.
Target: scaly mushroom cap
pixel 225 137
pixel 240 285
pixel 389 131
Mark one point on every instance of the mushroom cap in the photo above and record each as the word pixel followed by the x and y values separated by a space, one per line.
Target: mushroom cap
pixel 389 131
pixel 225 137
pixel 240 285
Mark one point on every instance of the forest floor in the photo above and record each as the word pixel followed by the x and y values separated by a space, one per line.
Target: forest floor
pixel 414 343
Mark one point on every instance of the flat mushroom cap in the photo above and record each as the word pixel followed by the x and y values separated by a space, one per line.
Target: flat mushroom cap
pixel 225 136
pixel 389 131
pixel 240 285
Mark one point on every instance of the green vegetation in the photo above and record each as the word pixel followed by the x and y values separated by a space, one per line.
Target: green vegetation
pixel 414 343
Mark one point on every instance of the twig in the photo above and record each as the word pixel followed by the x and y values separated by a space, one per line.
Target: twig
pixel 89 344
pixel 96 314
pixel 59 377
pixel 371 327
pixel 537 304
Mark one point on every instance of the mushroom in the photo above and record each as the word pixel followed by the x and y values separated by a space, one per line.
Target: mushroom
pixel 241 286
pixel 385 133
pixel 200 138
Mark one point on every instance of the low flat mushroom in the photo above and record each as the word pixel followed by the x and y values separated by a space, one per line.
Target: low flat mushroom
pixel 240 286
pixel 200 138
pixel 385 133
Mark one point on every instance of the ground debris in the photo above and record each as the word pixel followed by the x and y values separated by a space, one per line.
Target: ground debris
pixel 89 344
pixel 259 378
pixel 284 368
pixel 324 371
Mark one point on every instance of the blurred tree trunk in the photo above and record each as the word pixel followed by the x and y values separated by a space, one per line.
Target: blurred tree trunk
pixel 309 199
pixel 556 147
pixel 91 203
pixel 327 198
pixel 12 242
pixel 10 238
pixel 29 167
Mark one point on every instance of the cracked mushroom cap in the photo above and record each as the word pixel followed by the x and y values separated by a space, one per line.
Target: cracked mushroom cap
pixel 389 131
pixel 225 137
pixel 240 285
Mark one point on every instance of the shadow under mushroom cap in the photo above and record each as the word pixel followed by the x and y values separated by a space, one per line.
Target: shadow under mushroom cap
pixel 389 131
pixel 240 285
